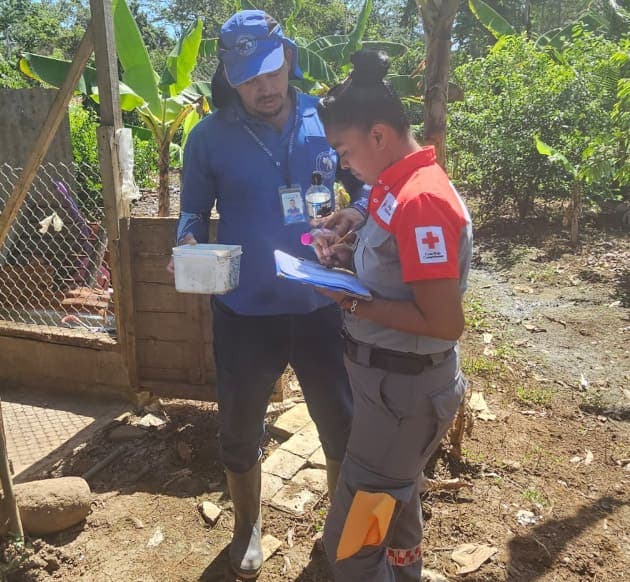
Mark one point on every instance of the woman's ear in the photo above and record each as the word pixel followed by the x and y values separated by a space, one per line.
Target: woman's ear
pixel 380 134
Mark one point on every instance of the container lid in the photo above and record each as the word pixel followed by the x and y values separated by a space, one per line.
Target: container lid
pixel 208 249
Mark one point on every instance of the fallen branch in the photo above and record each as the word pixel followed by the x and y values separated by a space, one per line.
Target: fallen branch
pixel 448 485
pixel 106 461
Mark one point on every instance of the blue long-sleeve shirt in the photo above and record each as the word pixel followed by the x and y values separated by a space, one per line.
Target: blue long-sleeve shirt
pixel 225 164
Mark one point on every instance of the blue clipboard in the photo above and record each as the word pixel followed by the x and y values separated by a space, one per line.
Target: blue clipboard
pixel 312 273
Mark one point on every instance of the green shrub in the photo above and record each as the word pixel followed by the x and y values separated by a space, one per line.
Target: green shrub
pixel 517 91
pixel 83 124
pixel 145 168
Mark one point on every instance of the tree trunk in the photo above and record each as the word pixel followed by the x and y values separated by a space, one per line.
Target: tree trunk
pixel 437 18
pixel 163 189
pixel 576 209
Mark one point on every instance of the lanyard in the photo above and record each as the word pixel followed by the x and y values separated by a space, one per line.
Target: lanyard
pixel 259 142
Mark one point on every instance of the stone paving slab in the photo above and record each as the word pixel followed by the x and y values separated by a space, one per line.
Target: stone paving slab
pixel 270 485
pixel 294 498
pixel 318 459
pixel 313 479
pixel 291 421
pixel 283 464
pixel 43 427
pixel 304 442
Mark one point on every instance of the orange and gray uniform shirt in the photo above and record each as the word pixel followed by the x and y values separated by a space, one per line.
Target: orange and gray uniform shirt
pixel 417 229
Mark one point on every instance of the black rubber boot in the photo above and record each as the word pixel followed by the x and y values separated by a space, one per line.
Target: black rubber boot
pixel 246 557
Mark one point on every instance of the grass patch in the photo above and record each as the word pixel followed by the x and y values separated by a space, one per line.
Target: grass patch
pixel 481 366
pixel 535 396
pixel 534 496
pixel 472 456
pixel 475 314
pixel 541 275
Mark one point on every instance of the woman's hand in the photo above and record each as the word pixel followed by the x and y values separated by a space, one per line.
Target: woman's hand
pixel 336 296
pixel 340 221
pixel 328 252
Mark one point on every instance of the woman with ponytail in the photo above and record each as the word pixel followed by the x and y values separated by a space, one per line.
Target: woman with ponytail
pixel 401 350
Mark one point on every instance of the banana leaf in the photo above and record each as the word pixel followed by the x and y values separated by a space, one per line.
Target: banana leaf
pixel 491 19
pixel 181 62
pixel 54 71
pixel 324 41
pixel 138 72
pixel 356 36
pixel 406 85
pixel 314 67
pixel 209 47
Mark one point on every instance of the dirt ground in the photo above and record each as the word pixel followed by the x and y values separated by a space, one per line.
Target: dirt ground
pixel 547 345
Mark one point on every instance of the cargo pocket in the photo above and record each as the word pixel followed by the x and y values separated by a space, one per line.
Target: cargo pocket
pixel 445 404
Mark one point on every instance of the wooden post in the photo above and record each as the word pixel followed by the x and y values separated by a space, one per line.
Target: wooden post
pixel 117 209
pixel 58 110
pixel 15 523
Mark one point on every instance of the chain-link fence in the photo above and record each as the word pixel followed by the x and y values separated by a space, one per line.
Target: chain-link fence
pixel 54 263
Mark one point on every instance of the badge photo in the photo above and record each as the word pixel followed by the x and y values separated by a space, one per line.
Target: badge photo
pixel 292 205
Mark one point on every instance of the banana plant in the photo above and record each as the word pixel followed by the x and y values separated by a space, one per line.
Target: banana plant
pixel 592 168
pixel 556 38
pixel 164 102
pixel 324 60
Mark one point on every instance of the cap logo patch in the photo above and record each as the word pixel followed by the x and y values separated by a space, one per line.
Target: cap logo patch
pixel 245 45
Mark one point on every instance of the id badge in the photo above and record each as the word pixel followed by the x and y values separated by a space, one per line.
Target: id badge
pixel 292 204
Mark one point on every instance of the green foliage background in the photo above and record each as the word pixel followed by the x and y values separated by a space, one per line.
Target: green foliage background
pixel 577 100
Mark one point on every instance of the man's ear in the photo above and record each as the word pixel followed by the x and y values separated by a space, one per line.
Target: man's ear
pixel 288 57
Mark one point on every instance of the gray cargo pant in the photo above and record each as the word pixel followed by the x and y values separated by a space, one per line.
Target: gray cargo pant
pixel 399 421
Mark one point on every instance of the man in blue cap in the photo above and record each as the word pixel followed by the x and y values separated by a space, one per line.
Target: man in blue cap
pixel 251 157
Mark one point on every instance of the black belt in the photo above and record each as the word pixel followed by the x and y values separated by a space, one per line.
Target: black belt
pixel 391 360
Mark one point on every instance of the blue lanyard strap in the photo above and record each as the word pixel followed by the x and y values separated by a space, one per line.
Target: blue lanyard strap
pixel 259 142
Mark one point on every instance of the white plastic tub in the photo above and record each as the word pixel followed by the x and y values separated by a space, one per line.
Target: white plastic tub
pixel 207 268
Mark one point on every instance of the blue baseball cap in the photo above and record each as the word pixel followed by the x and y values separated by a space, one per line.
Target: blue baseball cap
pixel 252 43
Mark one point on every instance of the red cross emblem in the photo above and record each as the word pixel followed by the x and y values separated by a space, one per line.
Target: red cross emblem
pixel 430 240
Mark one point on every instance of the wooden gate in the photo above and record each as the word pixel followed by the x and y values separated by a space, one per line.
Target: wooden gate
pixel 173 337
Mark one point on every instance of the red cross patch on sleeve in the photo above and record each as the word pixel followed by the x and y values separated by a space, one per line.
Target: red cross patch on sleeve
pixel 431 244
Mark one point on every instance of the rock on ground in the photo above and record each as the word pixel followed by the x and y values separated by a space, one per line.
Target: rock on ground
pixel 50 505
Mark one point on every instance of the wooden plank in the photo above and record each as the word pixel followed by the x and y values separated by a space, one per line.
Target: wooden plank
pixel 154 235
pixel 162 326
pixel 31 362
pixel 181 390
pixel 179 375
pixel 159 298
pixel 125 304
pixel 198 325
pixel 60 335
pixel 152 269
pixel 57 112
pixel 106 62
pixel 161 354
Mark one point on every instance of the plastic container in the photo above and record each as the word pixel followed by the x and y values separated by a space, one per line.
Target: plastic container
pixel 318 198
pixel 207 268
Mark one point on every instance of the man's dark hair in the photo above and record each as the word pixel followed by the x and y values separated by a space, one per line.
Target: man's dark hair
pixel 364 98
